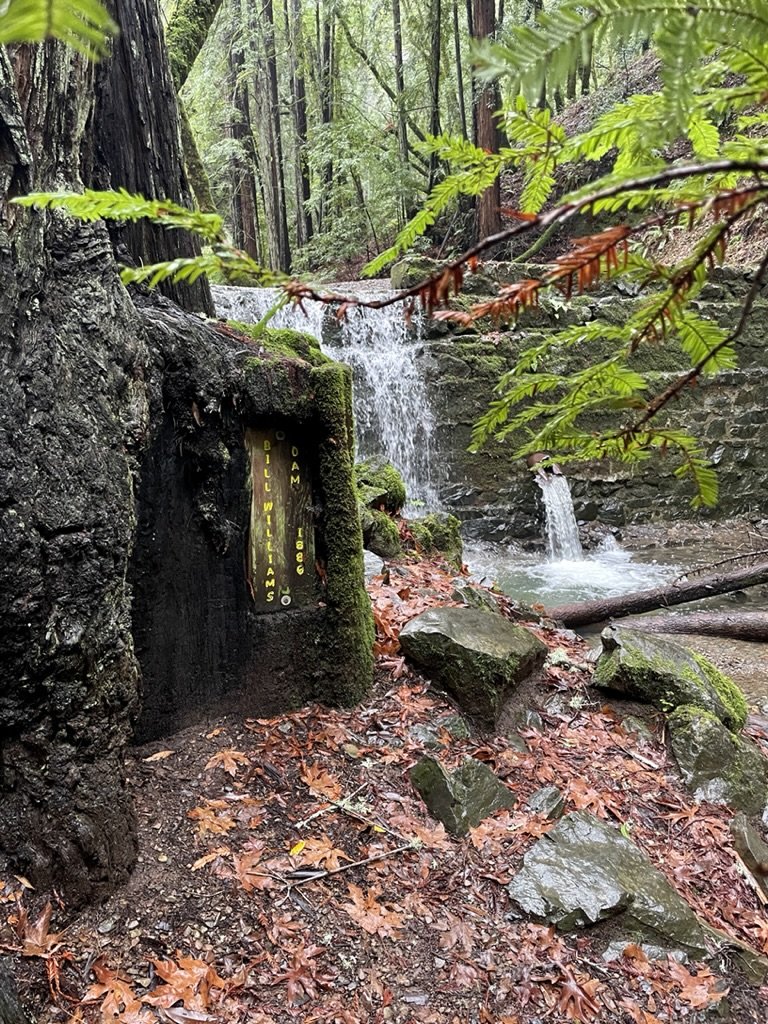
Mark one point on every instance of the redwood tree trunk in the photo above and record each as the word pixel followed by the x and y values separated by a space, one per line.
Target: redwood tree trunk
pixel 74 416
pixel 486 103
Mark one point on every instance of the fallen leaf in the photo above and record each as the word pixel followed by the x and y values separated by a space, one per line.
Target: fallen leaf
pixel 321 782
pixel 227 759
pixel 220 851
pixel 372 916
pixel 159 756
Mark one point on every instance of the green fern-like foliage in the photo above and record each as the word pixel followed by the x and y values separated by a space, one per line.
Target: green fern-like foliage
pixel 82 24
pixel 608 409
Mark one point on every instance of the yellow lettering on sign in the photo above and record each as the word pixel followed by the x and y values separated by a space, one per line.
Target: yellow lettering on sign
pixel 300 532
pixel 267 460
pixel 295 467
pixel 266 474
pixel 267 446
pixel 268 506
pixel 269 583
pixel 299 570
pixel 299 556
pixel 267 487
pixel 295 452
pixel 269 546
pixel 271 595
pixel 270 571
pixel 295 481
pixel 299 545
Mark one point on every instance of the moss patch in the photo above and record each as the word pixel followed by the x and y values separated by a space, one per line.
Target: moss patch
pixel 380 485
pixel 284 342
pixel 438 533
pixel 727 690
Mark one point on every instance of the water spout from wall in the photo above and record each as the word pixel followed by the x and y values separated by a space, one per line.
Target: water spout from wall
pixel 563 543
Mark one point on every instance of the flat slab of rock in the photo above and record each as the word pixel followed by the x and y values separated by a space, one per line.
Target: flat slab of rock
pixel 666 675
pixel 479 658
pixel 461 800
pixel 585 871
pixel 717 765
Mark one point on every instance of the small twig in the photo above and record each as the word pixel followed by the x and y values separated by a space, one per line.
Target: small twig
pixel 705 570
pixel 316 876
pixel 333 804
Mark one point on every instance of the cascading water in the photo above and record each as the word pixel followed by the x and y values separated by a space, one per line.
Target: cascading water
pixel 563 543
pixel 392 412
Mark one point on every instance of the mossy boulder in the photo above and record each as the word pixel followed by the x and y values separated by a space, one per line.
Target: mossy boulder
pixel 439 533
pixel 283 342
pixel 716 765
pixel 585 871
pixel 666 675
pixel 463 799
pixel 380 533
pixel 479 658
pixel 379 485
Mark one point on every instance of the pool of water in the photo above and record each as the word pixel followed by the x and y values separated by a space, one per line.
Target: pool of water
pixel 611 571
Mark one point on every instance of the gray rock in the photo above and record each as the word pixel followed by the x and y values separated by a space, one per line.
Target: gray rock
pixel 474 597
pixel 548 801
pixel 380 533
pixel 666 675
pixel 585 871
pixel 461 800
pixel 429 735
pixel 717 765
pixel 752 850
pixel 637 727
pixel 478 658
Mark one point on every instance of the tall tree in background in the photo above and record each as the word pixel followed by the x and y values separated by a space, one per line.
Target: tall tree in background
pixel 486 132
pixel 435 44
pixel 303 184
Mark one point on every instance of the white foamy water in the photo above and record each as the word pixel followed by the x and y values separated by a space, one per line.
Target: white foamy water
pixel 563 543
pixel 392 412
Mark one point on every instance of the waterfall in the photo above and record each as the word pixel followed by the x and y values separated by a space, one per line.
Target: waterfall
pixel 563 542
pixel 392 414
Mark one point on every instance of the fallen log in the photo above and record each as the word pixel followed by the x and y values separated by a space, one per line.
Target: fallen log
pixel 731 625
pixel 586 613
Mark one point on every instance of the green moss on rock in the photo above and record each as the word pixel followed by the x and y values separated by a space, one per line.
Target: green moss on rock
pixel 439 533
pixel 347 656
pixel 666 675
pixel 380 485
pixel 717 765
pixel 380 533
pixel 284 342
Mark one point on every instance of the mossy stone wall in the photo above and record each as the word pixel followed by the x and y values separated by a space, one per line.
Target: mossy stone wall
pixel 497 496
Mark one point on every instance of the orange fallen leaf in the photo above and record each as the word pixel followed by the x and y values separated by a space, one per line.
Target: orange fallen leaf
pixel 227 759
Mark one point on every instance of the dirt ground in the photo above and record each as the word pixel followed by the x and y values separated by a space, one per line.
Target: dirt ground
pixel 289 872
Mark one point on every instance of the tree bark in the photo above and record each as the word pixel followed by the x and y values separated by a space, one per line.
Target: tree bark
pixel 588 612
pixel 459 70
pixel 74 417
pixel 732 625
pixel 435 33
pixel 294 35
pixel 486 132
pixel 135 125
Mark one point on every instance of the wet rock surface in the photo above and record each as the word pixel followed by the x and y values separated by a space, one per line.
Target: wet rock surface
pixel 717 765
pixel 463 799
pixel 585 871
pixel 666 675
pixel 752 850
pixel 479 658
pixel 548 801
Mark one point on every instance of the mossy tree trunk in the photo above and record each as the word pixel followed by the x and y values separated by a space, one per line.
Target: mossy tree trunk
pixel 74 416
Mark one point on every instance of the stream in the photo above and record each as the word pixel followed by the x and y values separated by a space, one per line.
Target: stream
pixel 393 418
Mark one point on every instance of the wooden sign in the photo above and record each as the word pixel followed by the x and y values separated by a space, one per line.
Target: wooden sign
pixel 281 541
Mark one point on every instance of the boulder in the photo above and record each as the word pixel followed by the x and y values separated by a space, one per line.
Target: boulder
pixel 585 871
pixel 717 765
pixel 548 801
pixel 439 533
pixel 474 597
pixel 666 675
pixel 429 735
pixel 478 658
pixel 461 800
pixel 379 485
pixel 752 850
pixel 380 533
